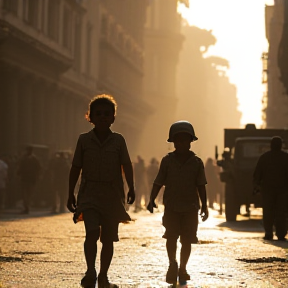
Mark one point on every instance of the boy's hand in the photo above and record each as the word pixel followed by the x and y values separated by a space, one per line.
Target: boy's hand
pixel 204 213
pixel 131 196
pixel 71 203
pixel 151 205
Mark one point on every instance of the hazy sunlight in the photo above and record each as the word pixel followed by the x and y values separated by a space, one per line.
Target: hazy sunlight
pixel 239 27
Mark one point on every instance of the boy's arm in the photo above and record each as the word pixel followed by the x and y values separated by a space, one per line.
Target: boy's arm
pixel 154 193
pixel 73 178
pixel 203 197
pixel 128 171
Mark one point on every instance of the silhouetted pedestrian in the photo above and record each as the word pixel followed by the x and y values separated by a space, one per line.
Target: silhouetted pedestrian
pixel 271 179
pixel 59 170
pixel 3 180
pixel 140 182
pixel 152 171
pixel 182 173
pixel 214 186
pixel 100 154
pixel 29 170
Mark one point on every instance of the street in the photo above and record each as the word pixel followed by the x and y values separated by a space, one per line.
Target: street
pixel 44 250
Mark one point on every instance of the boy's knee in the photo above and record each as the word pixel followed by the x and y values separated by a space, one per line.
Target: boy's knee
pixel 93 235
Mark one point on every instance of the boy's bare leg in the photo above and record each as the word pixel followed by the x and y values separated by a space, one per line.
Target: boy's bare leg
pixel 184 257
pixel 184 254
pixel 106 257
pixel 105 261
pixel 171 246
pixel 172 272
pixel 90 249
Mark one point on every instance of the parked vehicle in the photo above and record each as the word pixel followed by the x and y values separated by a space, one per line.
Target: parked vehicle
pixel 242 149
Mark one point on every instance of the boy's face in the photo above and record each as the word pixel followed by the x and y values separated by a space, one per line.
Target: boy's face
pixel 102 117
pixel 182 142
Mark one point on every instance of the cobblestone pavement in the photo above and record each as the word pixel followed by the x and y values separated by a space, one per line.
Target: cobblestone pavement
pixel 42 250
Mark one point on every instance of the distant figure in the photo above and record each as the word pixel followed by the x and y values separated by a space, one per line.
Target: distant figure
pixel 3 182
pixel 152 171
pixel 100 154
pixel 29 170
pixel 183 175
pixel 59 170
pixel 213 187
pixel 271 179
pixel 140 182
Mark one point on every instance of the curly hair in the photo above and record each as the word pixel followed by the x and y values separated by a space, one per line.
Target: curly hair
pixel 99 100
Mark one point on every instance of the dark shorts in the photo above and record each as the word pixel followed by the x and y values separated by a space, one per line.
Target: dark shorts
pixel 93 220
pixel 183 224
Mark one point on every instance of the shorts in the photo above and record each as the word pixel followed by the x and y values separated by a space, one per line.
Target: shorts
pixel 93 220
pixel 183 224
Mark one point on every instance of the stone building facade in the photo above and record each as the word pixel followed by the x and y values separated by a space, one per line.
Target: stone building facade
pixel 55 55
pixel 277 100
pixel 121 65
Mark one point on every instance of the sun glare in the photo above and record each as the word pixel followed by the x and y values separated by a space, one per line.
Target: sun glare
pixel 239 27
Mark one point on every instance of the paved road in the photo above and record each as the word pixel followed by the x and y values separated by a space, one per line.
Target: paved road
pixel 42 250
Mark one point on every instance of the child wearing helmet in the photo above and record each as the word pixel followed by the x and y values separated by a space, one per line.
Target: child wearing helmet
pixel 182 174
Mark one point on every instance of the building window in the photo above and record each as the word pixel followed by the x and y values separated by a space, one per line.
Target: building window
pixel 67 24
pixel 11 6
pixel 88 49
pixel 53 20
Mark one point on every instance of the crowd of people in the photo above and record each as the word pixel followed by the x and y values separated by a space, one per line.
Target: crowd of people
pixel 144 178
pixel 22 177
pixel 26 182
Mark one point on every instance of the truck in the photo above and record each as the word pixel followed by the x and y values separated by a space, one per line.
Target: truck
pixel 242 149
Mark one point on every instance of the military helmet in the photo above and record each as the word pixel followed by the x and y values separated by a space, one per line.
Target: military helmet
pixel 181 126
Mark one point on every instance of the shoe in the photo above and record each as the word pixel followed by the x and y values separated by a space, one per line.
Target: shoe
pixel 183 275
pixel 89 280
pixel 172 273
pixel 103 282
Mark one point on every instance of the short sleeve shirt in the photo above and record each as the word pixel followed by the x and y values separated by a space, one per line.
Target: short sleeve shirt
pixel 101 161
pixel 181 182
